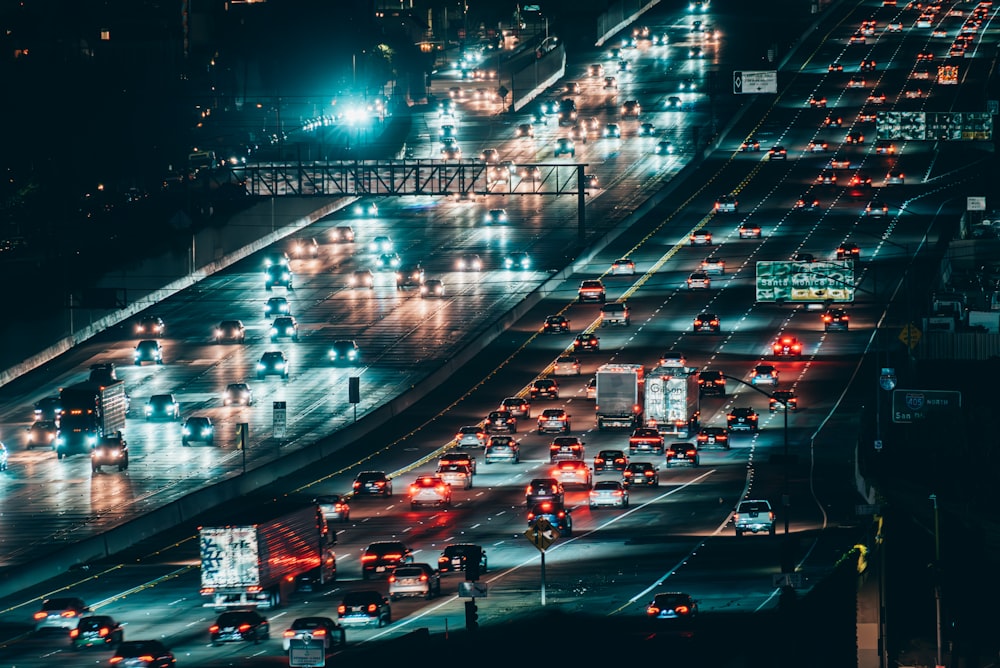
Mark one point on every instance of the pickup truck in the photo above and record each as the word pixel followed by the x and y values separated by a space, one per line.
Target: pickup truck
pixel 754 515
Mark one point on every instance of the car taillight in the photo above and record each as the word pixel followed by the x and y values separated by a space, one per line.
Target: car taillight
pixel 681 609
pixel 357 485
pixel 318 633
pixel 651 610
pixel 598 460
pixel 115 659
pixel 214 628
pixel 290 634
pixel 74 633
pixel 392 578
pixel 244 628
pixel 372 607
pixel 393 557
pixel 103 632
pixel 648 473
pixel 341 609
pixel 67 613
pixel 41 615
pixel 146 658
pixel 368 557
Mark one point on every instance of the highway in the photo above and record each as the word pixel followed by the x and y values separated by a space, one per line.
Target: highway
pixel 676 536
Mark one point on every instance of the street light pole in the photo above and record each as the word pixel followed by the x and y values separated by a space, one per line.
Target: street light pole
pixel 937 576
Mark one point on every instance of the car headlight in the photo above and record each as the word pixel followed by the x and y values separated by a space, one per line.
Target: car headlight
pixel 186 431
pixel 91 441
pixel 279 365
pixel 274 331
pixel 149 410
pixel 353 354
pixel 260 366
pixel 206 431
pixel 218 332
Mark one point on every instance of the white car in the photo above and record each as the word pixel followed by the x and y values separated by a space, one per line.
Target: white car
pixel 420 580
pixel 609 493
pixel 458 476
pixel 471 437
pixel 754 516
pixel 713 265
pixel 430 491
pixel 699 281
pixel 320 629
pixel 623 267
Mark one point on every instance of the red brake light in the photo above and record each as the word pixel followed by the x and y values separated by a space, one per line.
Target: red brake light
pixel 74 633
pixel 681 609
pixel 244 628
pixel 372 607
pixel 288 634
pixel 341 609
pixel 214 628
pixel 392 578
pixel 115 659
pixel 41 615
pixel 652 610
pixel 103 632
pixel 318 633
pixel 146 658
pixel 423 577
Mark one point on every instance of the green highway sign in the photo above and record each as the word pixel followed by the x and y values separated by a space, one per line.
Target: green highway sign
pixel 917 405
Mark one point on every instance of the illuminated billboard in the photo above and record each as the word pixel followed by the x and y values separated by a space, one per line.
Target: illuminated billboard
pixel 805 281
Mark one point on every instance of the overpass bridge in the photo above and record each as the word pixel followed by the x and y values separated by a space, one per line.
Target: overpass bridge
pixel 389 178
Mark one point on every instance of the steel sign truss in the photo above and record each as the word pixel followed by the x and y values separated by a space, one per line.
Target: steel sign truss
pixel 409 177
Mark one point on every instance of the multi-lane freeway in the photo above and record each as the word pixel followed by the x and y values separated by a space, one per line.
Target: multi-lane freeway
pixel 677 536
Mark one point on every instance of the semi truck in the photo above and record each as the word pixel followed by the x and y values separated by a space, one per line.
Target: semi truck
pixel 619 395
pixel 673 403
pixel 89 412
pixel 261 564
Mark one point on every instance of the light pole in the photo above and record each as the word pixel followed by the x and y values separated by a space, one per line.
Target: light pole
pixel 937 577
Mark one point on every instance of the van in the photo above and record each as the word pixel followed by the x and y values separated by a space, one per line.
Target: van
pixel 615 314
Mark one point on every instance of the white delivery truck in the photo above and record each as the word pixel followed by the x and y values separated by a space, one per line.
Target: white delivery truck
pixel 673 403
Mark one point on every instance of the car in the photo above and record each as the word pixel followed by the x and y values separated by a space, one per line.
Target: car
pixel 624 65
pixel 231 330
pixel 859 182
pixel 466 557
pixel 344 351
pixel 895 179
pixel 777 153
pixel 458 458
pixel 572 88
pixel 496 217
pixel 365 209
pixel 455 475
pixel 750 145
pixel 876 209
pixel 148 351
pixel 272 363
pixel 342 234
pixel 848 251
pixel 471 436
pixel 663 147
pixel 682 454
pixel 673 358
pixel 64 612
pixel 610 460
pixel 711 383
pixel 364 608
pixel 742 418
pixel 388 261
pixel 410 276
pixel 239 626
pixel 285 327
pixel 502 448
pixel 579 133
pixel 835 318
pixel 835 67
pixel 840 163
pixel 806 203
pixel 150 325
pixel 647 130
pixel 414 580
pixel 586 343
pixel 305 247
pixel 198 428
pixel 866 117
pixel 727 204
pixel 526 130
pixel 323 630
pixel 566 366
pixel 517 260
pixel 381 557
pixel 41 433
pixel 573 472
pixel 96 631
pixel 517 406
pixel 237 394
pixel 854 138
pixel 780 399
pixel 447 131
pixel 755 516
pixel 817 146
pixel 381 244
pixel 566 448
pixel 500 422
pixel 856 38
pixel 557 515
pixel 700 237
pixel 609 493
pixel 564 146
pixel 640 473
pixel 787 346
pixel 544 388
pixel 555 324
pixel 553 420
pixel 833 121
pixel 335 507
pixel 713 265
pixel 925 55
pixel 361 278
pixel 749 230
pixel 273 258
pixel 699 280
pixel 894 26
pixel 372 483
pixel 817 102
pixel 530 173
pixel 623 267
pixel 431 490
pixel 764 374
pixel 645 439
pixel 612 131
pixel 591 291
pixel 610 82
pixel 876 98
pixel 712 436
pixel 432 287
pixel 596 70
pixel 144 653
pixel 856 82
pixel 162 407
pixel 276 306
pixel 675 606
pixel 706 322
pixel 885 147
pixel 827 178
pixel 469 262
pixel 867 65
pixel 280 275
